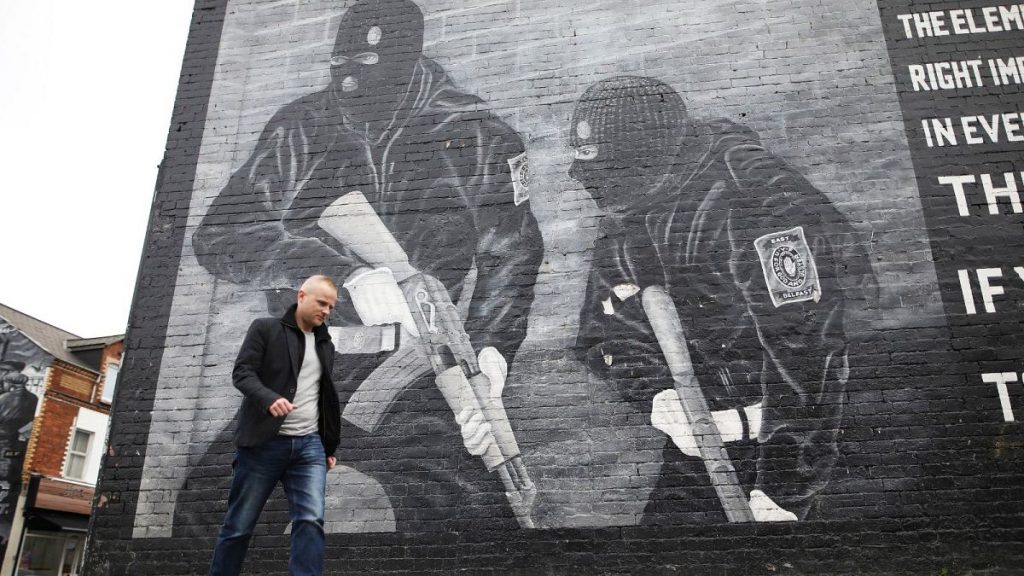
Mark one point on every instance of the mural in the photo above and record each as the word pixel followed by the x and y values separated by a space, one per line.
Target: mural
pixel 22 366
pixel 568 299
pixel 392 175
pixel 707 229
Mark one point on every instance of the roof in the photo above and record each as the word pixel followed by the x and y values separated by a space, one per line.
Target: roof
pixel 93 343
pixel 46 336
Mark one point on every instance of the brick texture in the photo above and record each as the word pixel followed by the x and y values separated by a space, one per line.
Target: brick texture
pixel 52 441
pixel 904 420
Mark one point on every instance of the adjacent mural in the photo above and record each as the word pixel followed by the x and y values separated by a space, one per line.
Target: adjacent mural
pixel 22 371
pixel 633 282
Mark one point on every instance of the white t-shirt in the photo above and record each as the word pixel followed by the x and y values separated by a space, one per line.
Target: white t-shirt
pixel 303 419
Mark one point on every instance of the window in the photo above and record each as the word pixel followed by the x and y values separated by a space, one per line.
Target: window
pixel 50 555
pixel 78 452
pixel 110 382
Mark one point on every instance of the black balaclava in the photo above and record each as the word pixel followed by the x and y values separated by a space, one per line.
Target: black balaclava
pixel 637 125
pixel 375 55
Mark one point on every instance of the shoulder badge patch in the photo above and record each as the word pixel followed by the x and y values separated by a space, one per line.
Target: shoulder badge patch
pixel 788 267
pixel 520 178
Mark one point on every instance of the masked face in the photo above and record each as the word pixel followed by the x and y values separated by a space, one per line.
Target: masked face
pixel 378 45
pixel 594 165
pixel 621 171
pixel 626 137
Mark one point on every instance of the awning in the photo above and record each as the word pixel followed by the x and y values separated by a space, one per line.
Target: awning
pixel 53 521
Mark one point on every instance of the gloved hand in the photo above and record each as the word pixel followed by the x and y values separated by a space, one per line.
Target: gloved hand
pixel 378 299
pixel 667 415
pixel 494 366
pixel 476 432
pixel 766 510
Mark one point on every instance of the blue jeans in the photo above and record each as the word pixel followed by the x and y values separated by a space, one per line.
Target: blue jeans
pixel 299 463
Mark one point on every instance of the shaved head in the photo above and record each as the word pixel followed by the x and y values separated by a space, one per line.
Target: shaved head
pixel 317 298
pixel 318 279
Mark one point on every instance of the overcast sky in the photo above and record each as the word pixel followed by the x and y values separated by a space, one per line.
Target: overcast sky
pixel 86 92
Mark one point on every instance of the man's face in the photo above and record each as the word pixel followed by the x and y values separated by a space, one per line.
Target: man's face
pixel 378 45
pixel 315 304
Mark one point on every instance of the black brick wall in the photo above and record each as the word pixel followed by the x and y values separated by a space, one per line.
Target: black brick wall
pixel 928 469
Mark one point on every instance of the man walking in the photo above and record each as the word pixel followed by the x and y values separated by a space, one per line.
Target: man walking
pixel 287 429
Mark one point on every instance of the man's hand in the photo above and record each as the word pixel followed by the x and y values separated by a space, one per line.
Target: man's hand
pixel 766 510
pixel 281 407
pixel 378 299
pixel 331 462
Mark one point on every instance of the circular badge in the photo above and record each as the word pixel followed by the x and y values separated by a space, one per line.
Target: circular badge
pixel 789 266
pixel 583 129
pixel 373 35
pixel 524 174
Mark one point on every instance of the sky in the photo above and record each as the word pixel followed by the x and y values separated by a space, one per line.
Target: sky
pixel 86 93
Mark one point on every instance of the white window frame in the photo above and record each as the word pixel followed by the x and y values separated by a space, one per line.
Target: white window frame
pixel 76 560
pixel 110 383
pixel 83 455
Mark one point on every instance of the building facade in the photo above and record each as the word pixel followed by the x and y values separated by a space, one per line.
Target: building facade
pixel 61 447
pixel 799 221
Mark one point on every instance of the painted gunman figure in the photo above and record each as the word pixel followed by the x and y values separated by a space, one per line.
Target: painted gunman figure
pixel 716 301
pixel 391 154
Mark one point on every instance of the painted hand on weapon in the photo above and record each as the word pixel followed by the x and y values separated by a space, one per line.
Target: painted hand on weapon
pixel 378 299
pixel 476 431
pixel 668 416
pixel 391 290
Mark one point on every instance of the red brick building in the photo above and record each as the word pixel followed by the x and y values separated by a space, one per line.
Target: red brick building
pixel 54 460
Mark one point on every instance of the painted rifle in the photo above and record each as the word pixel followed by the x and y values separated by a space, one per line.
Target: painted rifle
pixel 664 318
pixel 443 343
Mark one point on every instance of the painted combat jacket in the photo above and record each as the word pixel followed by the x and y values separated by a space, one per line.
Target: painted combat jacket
pixel 441 179
pixel 751 254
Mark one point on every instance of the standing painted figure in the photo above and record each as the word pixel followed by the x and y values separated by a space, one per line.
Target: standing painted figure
pixel 448 180
pixel 758 265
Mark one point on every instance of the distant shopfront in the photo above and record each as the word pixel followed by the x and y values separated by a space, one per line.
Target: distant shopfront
pixel 56 521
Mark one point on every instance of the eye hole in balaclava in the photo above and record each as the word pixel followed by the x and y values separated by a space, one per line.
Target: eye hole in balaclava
pixel 375 54
pixel 625 133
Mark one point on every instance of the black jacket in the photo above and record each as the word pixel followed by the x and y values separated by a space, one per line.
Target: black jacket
pixel 267 369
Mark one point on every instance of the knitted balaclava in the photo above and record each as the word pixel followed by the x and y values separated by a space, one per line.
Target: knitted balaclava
pixel 375 54
pixel 625 132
